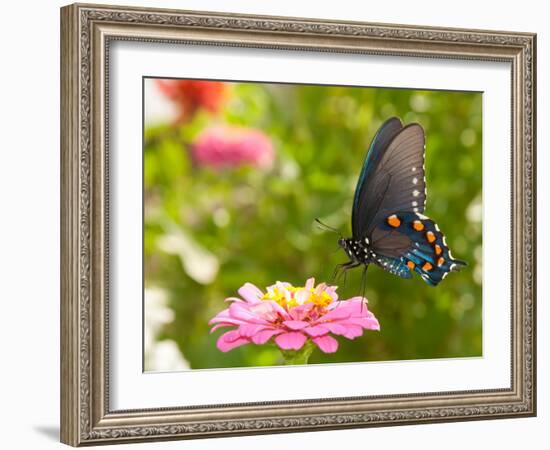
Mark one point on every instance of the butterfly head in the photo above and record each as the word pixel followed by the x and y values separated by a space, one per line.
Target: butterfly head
pixel 348 246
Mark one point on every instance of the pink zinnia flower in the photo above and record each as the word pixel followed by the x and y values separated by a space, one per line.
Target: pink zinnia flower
pixel 192 95
pixel 292 315
pixel 225 146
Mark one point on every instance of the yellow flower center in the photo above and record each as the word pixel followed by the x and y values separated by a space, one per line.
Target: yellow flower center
pixel 276 295
pixel 322 299
pixel 287 296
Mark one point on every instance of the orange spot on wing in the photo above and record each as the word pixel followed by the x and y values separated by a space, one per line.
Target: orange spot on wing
pixel 418 226
pixel 427 266
pixel 440 261
pixel 411 265
pixel 430 236
pixel 393 221
pixel 438 249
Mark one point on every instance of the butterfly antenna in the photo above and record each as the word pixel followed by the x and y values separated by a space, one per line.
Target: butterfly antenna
pixel 324 226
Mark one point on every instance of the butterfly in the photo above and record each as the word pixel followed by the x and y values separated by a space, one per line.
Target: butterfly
pixel 389 228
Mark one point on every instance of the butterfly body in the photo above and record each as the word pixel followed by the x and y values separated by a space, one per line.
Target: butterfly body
pixel 389 228
pixel 358 251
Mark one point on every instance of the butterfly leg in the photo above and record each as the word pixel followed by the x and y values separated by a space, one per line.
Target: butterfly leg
pixel 345 281
pixel 343 268
pixel 363 285
pixel 346 268
pixel 336 271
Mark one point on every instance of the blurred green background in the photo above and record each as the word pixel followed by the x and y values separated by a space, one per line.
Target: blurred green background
pixel 208 230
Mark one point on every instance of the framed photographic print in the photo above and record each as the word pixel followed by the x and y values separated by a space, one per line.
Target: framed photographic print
pixel 277 225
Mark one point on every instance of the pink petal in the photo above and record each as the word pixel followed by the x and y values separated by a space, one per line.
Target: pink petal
pixel 263 336
pixel 331 290
pixel 228 341
pixel 342 311
pixel 354 304
pixel 278 309
pixel 226 346
pixel 231 335
pixel 300 312
pixel 365 322
pixel 326 343
pixel 317 330
pixel 234 299
pixel 282 285
pixel 293 340
pixel 225 317
pixel 359 308
pixel 302 296
pixel 295 324
pixel 240 311
pixel 353 307
pixel 335 327
pixel 220 325
pixel 222 315
pixel 268 310
pixel 250 293
pixel 249 330
pixel 310 283
pixel 374 325
pixel 353 331
pixel 320 288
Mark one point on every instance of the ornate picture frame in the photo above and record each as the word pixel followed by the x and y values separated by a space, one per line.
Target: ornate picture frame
pixel 87 31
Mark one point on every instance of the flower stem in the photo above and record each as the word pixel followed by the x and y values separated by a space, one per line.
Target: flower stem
pixel 297 357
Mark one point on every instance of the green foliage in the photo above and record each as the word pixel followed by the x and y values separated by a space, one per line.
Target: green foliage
pixel 259 227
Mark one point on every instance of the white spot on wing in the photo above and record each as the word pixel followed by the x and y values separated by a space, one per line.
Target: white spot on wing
pixel 416 193
pixel 415 180
pixel 415 203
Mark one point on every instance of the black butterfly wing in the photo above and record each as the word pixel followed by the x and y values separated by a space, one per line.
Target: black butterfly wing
pixel 388 204
pixel 390 242
pixel 407 242
pixel 362 201
pixel 392 177
pixel 395 266
pixel 389 245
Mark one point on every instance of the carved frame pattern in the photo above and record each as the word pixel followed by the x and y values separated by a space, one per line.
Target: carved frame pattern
pixel 86 31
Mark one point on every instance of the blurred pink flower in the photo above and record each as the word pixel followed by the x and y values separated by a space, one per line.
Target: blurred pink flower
pixel 292 315
pixel 192 95
pixel 225 146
